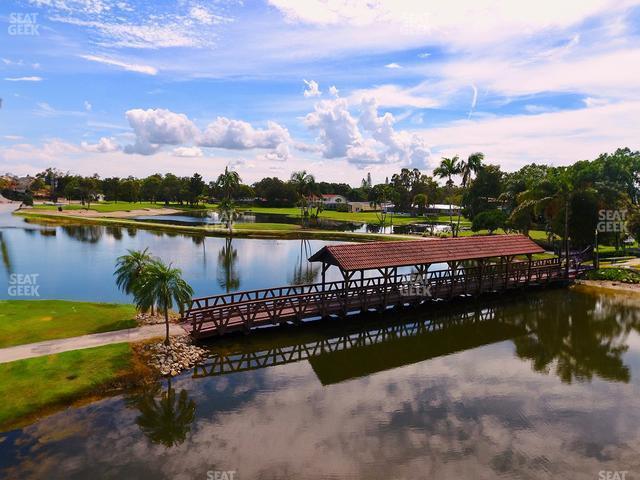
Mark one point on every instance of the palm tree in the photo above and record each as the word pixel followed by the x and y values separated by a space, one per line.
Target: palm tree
pixel 550 197
pixel 161 285
pixel 228 213
pixel 129 270
pixel 447 169
pixel 303 183
pixel 467 169
pixel 228 182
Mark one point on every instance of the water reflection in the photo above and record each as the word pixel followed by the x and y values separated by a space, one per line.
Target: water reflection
pixel 304 271
pixel 228 277
pixel 578 338
pixel 4 250
pixel 165 415
pixel 446 401
pixel 86 233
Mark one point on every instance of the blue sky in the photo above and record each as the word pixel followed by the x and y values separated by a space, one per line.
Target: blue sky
pixel 339 88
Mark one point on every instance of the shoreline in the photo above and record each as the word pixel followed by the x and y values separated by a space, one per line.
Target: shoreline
pixel 110 219
pixel 609 285
pixel 95 214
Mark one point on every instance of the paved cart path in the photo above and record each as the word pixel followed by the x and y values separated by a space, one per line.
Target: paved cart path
pixel 49 347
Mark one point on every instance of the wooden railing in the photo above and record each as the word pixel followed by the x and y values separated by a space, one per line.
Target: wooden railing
pixel 219 314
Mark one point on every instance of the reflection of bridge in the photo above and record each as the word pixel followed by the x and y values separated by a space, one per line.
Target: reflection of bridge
pixel 475 265
pixel 378 347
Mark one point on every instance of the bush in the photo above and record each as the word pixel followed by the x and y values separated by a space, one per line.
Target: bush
pixel 489 220
pixel 623 275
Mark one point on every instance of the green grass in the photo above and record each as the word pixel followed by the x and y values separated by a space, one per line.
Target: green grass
pixel 362 217
pixel 29 386
pixel 622 275
pixel 29 321
pixel 108 207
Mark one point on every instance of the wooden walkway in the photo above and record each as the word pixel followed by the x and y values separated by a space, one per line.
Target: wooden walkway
pixel 246 310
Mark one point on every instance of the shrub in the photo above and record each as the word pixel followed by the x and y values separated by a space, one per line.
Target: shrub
pixel 489 220
pixel 623 275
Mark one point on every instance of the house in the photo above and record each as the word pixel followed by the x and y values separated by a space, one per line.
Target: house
pixel 332 199
pixel 356 207
pixel 442 209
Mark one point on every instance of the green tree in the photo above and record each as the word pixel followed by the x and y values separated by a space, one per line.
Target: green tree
pixel 130 268
pixel 449 167
pixel 489 220
pixel 420 201
pixel 304 184
pixel 468 169
pixel 228 182
pixel 162 285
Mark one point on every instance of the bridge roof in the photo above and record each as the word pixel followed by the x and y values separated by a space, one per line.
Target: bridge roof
pixel 367 256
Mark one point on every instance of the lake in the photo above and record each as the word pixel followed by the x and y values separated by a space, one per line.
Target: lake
pixel 539 384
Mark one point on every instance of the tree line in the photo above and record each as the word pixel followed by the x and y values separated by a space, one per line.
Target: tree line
pixel 565 201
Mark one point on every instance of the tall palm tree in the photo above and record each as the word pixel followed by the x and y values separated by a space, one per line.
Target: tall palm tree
pixel 129 270
pixel 162 285
pixel 304 183
pixel 467 169
pixel 449 167
pixel 228 182
pixel 228 213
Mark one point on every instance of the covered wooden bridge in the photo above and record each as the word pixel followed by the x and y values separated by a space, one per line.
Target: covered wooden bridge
pixel 381 275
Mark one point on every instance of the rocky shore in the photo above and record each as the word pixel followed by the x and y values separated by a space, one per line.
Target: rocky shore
pixel 172 359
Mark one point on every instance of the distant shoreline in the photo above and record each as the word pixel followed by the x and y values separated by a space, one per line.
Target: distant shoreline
pixel 96 214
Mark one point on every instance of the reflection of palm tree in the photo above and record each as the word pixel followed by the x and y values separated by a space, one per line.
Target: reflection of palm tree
pixel 4 249
pixel 304 271
pixel 165 417
pixel 579 336
pixel 84 233
pixel 227 272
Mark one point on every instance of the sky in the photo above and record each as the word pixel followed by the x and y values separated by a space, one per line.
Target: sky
pixel 339 88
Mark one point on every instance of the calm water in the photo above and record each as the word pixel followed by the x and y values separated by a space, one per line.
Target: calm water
pixel 544 384
pixel 539 386
pixel 77 262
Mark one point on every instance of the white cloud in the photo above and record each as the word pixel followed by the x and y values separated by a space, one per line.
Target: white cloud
pixel 559 138
pixel 313 89
pixel 341 135
pixel 424 55
pixel 395 96
pixel 87 106
pixel 392 65
pixel 132 67
pixel 454 22
pixel 204 16
pixel 240 135
pixel 187 152
pixel 595 102
pixel 279 154
pixel 24 79
pixel 333 91
pixel 104 145
pixel 13 138
pixel 156 127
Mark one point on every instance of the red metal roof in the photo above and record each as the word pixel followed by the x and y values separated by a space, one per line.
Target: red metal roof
pixel 366 256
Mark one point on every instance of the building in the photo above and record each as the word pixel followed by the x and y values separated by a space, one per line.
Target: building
pixel 332 201
pixel 442 209
pixel 355 207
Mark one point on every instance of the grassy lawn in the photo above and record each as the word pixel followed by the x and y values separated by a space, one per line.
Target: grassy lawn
pixel 29 321
pixel 623 275
pixel 108 207
pixel 28 386
pixel 266 226
pixel 362 217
